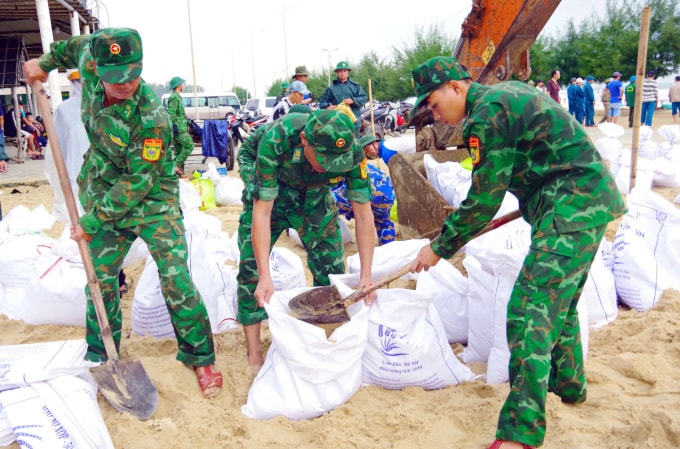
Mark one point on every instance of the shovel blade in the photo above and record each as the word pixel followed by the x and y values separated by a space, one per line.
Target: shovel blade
pixel 319 305
pixel 127 387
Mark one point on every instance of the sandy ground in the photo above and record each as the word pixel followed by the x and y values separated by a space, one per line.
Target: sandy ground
pixel 633 400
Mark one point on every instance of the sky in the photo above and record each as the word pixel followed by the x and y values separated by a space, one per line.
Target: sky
pixel 252 43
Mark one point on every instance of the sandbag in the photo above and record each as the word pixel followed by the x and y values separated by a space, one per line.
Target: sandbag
pixel 599 292
pixel 228 191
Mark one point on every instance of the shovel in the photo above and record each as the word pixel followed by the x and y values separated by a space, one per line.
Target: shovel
pixel 325 305
pixel 124 383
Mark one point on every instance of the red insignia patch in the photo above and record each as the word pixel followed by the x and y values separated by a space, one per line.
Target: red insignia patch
pixel 114 49
pixel 364 168
pixel 151 151
pixel 475 150
pixel 340 143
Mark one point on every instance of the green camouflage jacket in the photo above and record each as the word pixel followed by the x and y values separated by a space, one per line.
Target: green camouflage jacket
pixel 276 160
pixel 176 112
pixel 128 175
pixel 523 142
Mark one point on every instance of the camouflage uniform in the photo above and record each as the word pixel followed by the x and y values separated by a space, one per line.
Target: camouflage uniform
pixel 129 189
pixel 522 142
pixel 382 199
pixel 274 168
pixel 182 141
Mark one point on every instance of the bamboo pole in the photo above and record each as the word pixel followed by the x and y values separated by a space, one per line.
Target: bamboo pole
pixel 639 86
pixel 370 103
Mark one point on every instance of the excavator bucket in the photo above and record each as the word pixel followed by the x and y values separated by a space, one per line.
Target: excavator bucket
pixel 421 210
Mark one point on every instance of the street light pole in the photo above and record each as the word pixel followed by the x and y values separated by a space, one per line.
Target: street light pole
pixel 285 39
pixel 330 67
pixel 252 57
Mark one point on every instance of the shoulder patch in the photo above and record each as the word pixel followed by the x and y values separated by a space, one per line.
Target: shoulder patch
pixel 364 168
pixel 297 155
pixel 117 140
pixel 475 150
pixel 151 151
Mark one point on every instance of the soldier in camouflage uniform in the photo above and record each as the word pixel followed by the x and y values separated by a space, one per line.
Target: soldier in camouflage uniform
pixel 523 142
pixel 382 193
pixel 129 189
pixel 181 140
pixel 344 90
pixel 288 175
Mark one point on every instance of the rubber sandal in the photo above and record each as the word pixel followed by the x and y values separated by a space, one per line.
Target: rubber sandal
pixel 210 381
pixel 123 289
pixel 497 444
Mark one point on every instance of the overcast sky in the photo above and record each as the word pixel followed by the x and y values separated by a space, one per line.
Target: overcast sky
pixel 254 42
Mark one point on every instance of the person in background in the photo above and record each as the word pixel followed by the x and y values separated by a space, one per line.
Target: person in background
pixel 540 85
pixel 287 185
pixel 650 98
pixel 182 142
pixel 285 90
pixel 344 90
pixel 553 87
pixel 302 75
pixel 129 189
pixel 589 101
pixel 508 127
pixel 629 91
pixel 382 193
pixel 606 97
pixel 674 98
pixel 298 90
pixel 3 155
pixel 616 90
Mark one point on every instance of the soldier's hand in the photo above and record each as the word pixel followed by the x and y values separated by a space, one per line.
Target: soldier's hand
pixel 33 72
pixel 426 259
pixel 264 291
pixel 78 233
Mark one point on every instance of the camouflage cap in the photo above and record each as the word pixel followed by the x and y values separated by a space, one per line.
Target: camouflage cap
pixel 331 133
pixel 368 138
pixel 343 65
pixel 176 81
pixel 432 74
pixel 117 53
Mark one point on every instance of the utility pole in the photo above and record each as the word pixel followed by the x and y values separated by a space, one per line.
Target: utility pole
pixel 330 67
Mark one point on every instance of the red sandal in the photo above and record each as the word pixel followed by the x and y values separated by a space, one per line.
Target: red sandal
pixel 210 381
pixel 497 444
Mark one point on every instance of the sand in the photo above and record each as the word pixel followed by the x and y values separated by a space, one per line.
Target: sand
pixel 632 368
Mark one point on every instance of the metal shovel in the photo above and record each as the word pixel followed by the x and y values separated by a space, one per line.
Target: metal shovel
pixel 124 383
pixel 325 305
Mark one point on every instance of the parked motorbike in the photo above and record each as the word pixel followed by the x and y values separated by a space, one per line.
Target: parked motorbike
pixel 239 128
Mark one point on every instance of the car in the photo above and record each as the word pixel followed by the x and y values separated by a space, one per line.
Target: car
pixel 211 105
pixel 260 106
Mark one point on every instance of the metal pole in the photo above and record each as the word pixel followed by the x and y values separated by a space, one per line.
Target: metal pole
pixel 193 65
pixel 285 41
pixel 639 86
pixel 252 58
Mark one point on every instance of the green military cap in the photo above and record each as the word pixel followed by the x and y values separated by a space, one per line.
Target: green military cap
pixel 432 74
pixel 285 85
pixel 176 81
pixel 117 53
pixel 343 65
pixel 302 108
pixel 367 139
pixel 331 133
pixel 300 70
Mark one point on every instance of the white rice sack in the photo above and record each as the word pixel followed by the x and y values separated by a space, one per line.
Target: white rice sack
pixel 228 191
pixel 672 135
pixel 306 374
pixel 286 269
pixel 450 179
pixel 599 292
pixel 451 291
pixel 666 173
pixel 610 146
pixel 403 144
pixel 647 250
pixel 389 257
pixel 643 176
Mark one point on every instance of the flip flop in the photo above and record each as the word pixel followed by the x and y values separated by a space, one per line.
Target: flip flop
pixel 38 157
pixel 210 381
pixel 497 443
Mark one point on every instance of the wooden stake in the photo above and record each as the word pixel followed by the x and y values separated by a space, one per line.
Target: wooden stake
pixel 639 86
pixel 370 103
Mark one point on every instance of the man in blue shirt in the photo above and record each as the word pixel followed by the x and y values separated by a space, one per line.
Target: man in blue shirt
pixel 616 89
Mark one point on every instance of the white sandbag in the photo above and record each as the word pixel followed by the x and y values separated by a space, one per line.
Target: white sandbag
pixel 672 135
pixel 189 198
pixel 306 374
pixel 389 257
pixel 286 269
pixel 6 431
pixel 666 172
pixel 647 250
pixel 449 178
pixel 20 220
pixel 599 292
pixel 149 315
pixel 407 344
pixel 610 146
pixel 450 288
pixel 228 191
pixel 643 176
pixel 18 254
pixel 56 294
pixel 492 262
pixel 57 413
pixel 25 364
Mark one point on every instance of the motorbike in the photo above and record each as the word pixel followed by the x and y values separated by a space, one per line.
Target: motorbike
pixel 239 129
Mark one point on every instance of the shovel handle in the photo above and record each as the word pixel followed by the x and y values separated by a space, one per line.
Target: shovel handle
pixel 70 201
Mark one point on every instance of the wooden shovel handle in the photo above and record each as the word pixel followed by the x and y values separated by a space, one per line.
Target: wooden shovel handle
pixel 357 295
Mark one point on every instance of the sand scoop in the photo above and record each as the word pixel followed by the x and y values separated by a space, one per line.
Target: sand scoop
pixel 124 383
pixel 325 305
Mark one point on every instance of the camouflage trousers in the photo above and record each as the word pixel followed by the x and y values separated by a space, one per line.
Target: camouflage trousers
pixel 184 145
pixel 315 218
pixel 543 332
pixel 168 247
pixel 382 199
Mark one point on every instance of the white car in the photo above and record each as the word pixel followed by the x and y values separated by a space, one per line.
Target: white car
pixel 260 106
